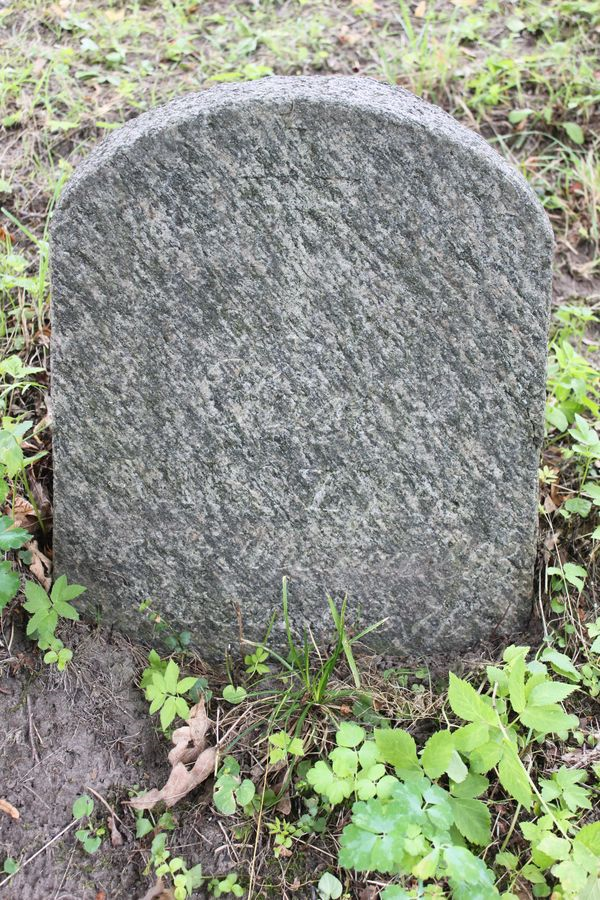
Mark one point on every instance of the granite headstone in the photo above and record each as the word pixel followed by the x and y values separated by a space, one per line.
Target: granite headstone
pixel 299 327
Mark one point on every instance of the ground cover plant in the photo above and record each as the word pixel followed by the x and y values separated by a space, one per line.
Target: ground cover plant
pixel 322 771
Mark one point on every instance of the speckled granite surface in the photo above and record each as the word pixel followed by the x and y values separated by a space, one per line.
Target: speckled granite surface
pixel 300 328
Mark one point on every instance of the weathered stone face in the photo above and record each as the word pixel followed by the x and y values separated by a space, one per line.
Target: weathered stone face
pixel 300 328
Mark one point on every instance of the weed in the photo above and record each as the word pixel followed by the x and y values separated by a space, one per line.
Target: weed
pixel 165 690
pixel 89 836
pixel 184 880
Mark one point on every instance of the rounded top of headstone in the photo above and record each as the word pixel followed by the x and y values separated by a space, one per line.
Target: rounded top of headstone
pixel 388 106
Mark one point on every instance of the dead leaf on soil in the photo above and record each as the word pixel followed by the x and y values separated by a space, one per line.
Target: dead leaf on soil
pixel 23 513
pixel 158 891
pixel 9 809
pixel 115 835
pixel 180 782
pixel 40 566
pixel 557 498
pixel 190 739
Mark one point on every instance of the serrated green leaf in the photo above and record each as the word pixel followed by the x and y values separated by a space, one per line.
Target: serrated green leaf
pixel 456 768
pixel 12 537
pixel 223 796
pixel 467 703
pixel 369 755
pixel 356 848
pixel 397 748
pixel 486 757
pixel 516 683
pixel 171 677
pixel 182 707
pixel 473 820
pixel 344 762
pixel 549 692
pixel 437 753
pixel 9 583
pixel 560 663
pixel 469 737
pixel 513 777
pixel 465 868
pixel 472 786
pixel 168 712
pixel 548 719
pixel 37 598
pixel 555 847
pixel 66 610
pixel 589 837
pixel 186 684
pixel 557 418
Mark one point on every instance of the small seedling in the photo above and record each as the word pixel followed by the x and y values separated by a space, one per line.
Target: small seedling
pixel 10 866
pixel 234 695
pixel 282 745
pixel 90 837
pixel 256 662
pixel 219 887
pixel 184 880
pixel 231 790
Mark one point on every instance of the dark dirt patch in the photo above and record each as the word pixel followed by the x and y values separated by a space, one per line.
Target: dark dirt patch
pixel 90 729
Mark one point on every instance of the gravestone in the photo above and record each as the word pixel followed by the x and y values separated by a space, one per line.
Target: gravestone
pixel 300 328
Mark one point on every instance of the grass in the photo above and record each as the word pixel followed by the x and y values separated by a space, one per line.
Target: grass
pixel 526 76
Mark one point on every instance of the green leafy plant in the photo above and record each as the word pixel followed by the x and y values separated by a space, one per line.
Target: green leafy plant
pixel 220 887
pixel 89 836
pixel 256 662
pixel 46 611
pixel 184 880
pixel 283 833
pixel 165 690
pixel 10 866
pixel 283 744
pixel 420 815
pixel 234 695
pixel 231 791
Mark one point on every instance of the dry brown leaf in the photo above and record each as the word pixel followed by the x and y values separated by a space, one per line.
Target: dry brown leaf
pixel 193 733
pixel 285 805
pixel 180 782
pixel 557 498
pixel 370 892
pixel 158 891
pixel 23 513
pixel 9 809
pixel 115 835
pixel 40 566
pixel 420 9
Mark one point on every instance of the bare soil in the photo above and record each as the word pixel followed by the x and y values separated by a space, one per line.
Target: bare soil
pixel 66 733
